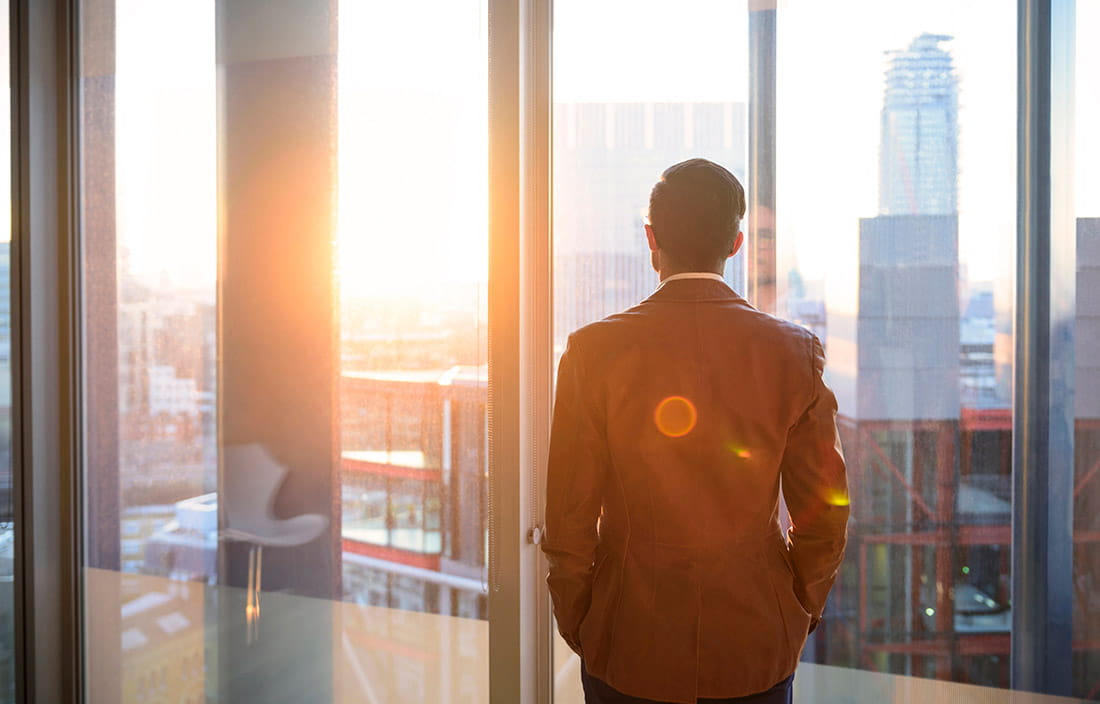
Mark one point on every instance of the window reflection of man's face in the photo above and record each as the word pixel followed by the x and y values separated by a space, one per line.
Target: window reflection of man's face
pixel 763 259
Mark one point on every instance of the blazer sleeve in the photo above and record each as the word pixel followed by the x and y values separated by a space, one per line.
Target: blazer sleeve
pixel 578 460
pixel 815 487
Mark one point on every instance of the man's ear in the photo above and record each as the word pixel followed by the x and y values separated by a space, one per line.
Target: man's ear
pixel 651 238
pixel 737 243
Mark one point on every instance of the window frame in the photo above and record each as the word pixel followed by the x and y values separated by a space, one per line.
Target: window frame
pixel 46 334
pixel 1044 361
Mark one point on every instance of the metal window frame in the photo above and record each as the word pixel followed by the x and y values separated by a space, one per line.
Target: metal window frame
pixel 46 404
pixel 520 347
pixel 1043 393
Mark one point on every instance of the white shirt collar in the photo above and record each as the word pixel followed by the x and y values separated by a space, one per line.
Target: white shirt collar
pixel 691 275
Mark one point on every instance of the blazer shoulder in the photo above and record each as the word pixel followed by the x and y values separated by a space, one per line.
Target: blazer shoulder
pixel 787 331
pixel 604 331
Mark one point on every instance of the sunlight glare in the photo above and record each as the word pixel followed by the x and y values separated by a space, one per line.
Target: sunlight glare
pixel 412 209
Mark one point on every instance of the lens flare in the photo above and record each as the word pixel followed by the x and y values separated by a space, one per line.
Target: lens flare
pixel 738 451
pixel 838 498
pixel 675 416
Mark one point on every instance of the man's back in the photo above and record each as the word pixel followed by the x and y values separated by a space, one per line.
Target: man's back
pixel 676 419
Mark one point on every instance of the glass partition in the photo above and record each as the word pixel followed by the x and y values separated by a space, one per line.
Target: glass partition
pixel 285 233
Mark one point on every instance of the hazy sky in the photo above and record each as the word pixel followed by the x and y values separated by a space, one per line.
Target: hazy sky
pixel 412 83
pixel 831 64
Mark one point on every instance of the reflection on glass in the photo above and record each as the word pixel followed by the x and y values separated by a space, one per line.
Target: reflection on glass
pixel 623 112
pixel 285 228
pixel 412 276
pixel 1086 492
pixel 899 261
pixel 894 226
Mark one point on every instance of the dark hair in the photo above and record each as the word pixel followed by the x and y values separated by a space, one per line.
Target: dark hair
pixel 695 211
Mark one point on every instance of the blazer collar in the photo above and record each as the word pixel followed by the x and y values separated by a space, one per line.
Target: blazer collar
pixel 694 290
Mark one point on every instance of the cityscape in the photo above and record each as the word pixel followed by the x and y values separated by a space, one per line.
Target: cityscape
pixel 921 367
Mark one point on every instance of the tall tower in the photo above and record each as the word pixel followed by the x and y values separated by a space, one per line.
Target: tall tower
pixel 908 325
pixel 905 431
pixel 918 166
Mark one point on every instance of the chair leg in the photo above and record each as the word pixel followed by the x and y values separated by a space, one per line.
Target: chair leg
pixel 259 585
pixel 252 597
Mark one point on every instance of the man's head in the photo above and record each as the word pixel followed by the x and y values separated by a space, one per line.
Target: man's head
pixel 695 213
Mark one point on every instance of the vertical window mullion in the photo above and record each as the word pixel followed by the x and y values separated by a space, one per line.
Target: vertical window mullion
pixel 1042 539
pixel 520 351
pixel 537 333
pixel 505 643
pixel 45 360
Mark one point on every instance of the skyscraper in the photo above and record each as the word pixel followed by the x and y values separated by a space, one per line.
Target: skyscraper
pixel 908 327
pixel 918 169
pixel 925 469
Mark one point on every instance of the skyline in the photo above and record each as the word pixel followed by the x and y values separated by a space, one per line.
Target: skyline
pixel 162 122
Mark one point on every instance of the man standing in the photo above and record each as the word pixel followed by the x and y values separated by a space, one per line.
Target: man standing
pixel 675 423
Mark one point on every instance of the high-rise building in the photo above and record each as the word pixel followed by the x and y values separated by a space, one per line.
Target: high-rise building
pixel 931 478
pixel 918 167
pixel 1086 504
pixel 1088 320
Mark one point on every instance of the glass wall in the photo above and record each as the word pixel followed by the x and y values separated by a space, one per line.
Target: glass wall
pixel 895 227
pixel 283 213
pixel 284 222
pixel 1086 489
pixel 884 222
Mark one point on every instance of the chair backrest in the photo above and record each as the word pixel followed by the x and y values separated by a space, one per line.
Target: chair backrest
pixel 251 478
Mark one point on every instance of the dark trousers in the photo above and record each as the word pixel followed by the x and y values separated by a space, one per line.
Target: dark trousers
pixel 597 691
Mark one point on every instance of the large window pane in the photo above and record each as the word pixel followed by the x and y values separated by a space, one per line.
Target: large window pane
pixel 285 369
pixel 885 222
pixel 1086 492
pixel 637 88
pixel 895 226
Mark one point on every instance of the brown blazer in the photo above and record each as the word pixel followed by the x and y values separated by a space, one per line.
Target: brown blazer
pixel 668 569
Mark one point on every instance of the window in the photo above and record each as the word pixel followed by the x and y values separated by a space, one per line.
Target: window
pixel 279 359
pixel 623 111
pixel 285 216
pixel 894 173
pixel 873 216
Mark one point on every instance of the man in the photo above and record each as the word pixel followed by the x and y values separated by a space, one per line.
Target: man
pixel 675 423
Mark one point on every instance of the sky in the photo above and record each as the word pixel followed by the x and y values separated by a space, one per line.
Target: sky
pixel 830 76
pixel 412 115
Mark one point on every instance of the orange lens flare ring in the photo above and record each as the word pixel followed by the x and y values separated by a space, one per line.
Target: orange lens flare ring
pixel 675 416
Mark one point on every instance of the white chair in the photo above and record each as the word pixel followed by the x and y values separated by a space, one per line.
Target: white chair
pixel 251 479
